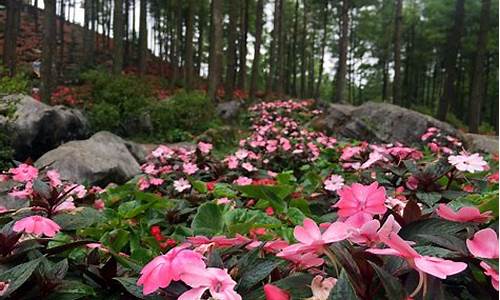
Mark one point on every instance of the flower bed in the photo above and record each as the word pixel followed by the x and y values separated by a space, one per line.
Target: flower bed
pixel 291 214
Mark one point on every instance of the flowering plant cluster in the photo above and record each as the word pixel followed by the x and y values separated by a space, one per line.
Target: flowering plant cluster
pixel 291 213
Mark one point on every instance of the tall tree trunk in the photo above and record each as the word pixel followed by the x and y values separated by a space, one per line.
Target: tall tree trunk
pixel 303 65
pixel 60 63
pixel 310 83
pixel 450 61
pixel 242 72
pixel 11 33
pixel 343 45
pixel 323 46
pixel 256 56
pixel 294 49
pixel 280 74
pixel 37 28
pixel 143 35
pixel 126 51
pixel 396 85
pixel 189 68
pixel 231 50
pixel 477 79
pixel 271 76
pixel 118 37
pixel 176 43
pixel 201 36
pixel 48 49
pixel 215 65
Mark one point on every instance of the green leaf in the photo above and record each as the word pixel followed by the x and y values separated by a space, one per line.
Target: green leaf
pixel 297 285
pixel 432 226
pixel 257 272
pixel 130 284
pixel 392 285
pixel 275 194
pixel 116 239
pixel 18 275
pixel 208 220
pixel 222 190
pixel 131 209
pixel 42 188
pixel 71 289
pixel 286 178
pixel 81 217
pixel 343 289
pixel 429 198
pixel 199 186
pixel 296 216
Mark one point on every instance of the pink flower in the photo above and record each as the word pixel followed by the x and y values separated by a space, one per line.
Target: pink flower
pixel 412 183
pixel 143 183
pixel 434 266
pixel 374 157
pixel 361 199
pixel 311 239
pixel 218 241
pixel 66 205
pixel 232 162
pixel 37 225
pixel 24 173
pixel 248 166
pixel 334 182
pixel 493 178
pixel 156 181
pixel 205 148
pixel 162 151
pixel 99 204
pixel 484 244
pixel 489 271
pixel 273 292
pixel 468 163
pixel 54 178
pixel 463 215
pixel 217 281
pixel 241 154
pixel 23 194
pixel 271 246
pixel 224 200
pixel 159 272
pixel 242 180
pixel 4 286
pixel 181 185
pixel 189 168
pixel 350 152
pixel 321 287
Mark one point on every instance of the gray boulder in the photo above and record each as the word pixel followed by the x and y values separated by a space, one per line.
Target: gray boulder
pixel 228 110
pixel 99 160
pixel 380 123
pixel 481 143
pixel 37 127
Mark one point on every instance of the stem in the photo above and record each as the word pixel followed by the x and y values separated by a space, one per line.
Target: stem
pixel 421 283
pixel 332 258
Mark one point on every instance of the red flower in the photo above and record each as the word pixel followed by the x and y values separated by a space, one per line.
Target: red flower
pixel 211 185
pixel 155 230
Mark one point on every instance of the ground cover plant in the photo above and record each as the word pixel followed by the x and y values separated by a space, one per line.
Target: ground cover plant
pixel 291 214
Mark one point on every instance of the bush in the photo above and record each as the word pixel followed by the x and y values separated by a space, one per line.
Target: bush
pixel 105 116
pixel 117 100
pixel 187 111
pixel 13 85
pixel 6 151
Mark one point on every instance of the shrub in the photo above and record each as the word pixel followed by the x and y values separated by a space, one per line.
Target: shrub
pixel 13 85
pixel 123 97
pixel 188 111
